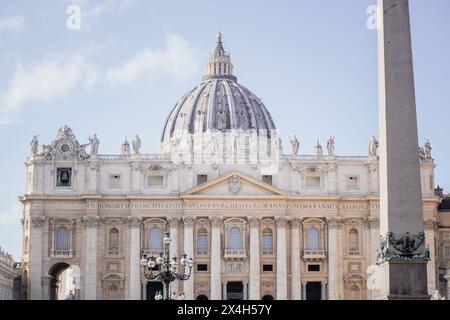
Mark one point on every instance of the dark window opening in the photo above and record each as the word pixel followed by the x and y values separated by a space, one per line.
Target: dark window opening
pixel 202 178
pixel 202 267
pixel 314 267
pixel 267 179
pixel 267 267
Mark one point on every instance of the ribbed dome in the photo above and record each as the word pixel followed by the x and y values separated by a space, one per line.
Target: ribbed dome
pixel 218 103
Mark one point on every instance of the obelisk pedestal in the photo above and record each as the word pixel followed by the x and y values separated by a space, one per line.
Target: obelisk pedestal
pixel 402 256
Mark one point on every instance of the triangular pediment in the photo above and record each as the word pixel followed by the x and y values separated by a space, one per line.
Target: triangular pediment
pixel 235 183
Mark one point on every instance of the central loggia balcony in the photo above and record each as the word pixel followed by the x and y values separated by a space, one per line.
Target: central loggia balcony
pixel 314 255
pixel 235 254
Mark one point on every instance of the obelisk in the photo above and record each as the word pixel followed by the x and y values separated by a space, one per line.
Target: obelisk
pixel 402 256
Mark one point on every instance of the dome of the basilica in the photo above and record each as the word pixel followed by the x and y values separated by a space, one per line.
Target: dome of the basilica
pixel 219 103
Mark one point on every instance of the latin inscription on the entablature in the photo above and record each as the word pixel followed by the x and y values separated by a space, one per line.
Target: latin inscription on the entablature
pixel 236 205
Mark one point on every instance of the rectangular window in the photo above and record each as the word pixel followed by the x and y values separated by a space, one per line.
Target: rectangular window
pixel 267 267
pixel 446 236
pixel 312 182
pixel 313 267
pixel 202 267
pixel 447 251
pixel 267 179
pixel 64 177
pixel 155 181
pixel 114 181
pixel 202 243
pixel 202 178
pixel 352 183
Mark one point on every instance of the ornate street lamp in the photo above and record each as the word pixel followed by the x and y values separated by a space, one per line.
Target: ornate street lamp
pixel 167 270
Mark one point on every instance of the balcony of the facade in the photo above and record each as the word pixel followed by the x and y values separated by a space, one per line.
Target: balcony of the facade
pixel 233 254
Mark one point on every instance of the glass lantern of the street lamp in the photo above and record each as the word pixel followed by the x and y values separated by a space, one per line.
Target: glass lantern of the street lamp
pixel 183 261
pixel 190 263
pixel 144 262
pixel 159 260
pixel 174 296
pixel 151 263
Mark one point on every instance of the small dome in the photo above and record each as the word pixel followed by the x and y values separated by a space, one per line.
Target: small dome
pixel 218 103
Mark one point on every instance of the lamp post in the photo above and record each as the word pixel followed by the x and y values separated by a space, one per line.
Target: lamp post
pixel 167 269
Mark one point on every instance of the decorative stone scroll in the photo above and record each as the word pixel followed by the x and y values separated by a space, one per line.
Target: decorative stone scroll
pixel 90 221
pixel 405 247
pixel 372 222
pixel 65 147
pixel 132 222
pixel 296 222
pixel 430 222
pixel 38 222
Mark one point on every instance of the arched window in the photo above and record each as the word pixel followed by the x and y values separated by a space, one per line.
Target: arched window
pixel 113 292
pixel 353 239
pixel 114 241
pixel 355 293
pixel 234 239
pixel 267 241
pixel 267 297
pixel 62 239
pixel 313 239
pixel 202 241
pixel 154 239
pixel 201 297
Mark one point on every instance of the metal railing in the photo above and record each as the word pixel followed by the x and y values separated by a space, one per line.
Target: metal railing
pixel 353 253
pixel 314 253
pixel 153 252
pixel 235 253
pixel 61 253
pixel 327 158
pixel 201 253
pixel 113 252
pixel 117 157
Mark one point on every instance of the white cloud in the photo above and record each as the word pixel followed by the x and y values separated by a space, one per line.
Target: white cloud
pixel 15 23
pixel 177 59
pixel 45 81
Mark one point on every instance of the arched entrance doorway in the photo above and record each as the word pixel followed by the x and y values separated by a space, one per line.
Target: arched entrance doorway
pixel 64 282
pixel 267 297
pixel 201 297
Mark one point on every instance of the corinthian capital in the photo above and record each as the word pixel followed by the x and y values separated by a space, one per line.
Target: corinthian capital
pixel 296 222
pixel 254 221
pixel 215 221
pixel 90 221
pixel 189 221
pixel 334 221
pixel 132 222
pixel 430 222
pixel 173 221
pixel 281 221
pixel 38 222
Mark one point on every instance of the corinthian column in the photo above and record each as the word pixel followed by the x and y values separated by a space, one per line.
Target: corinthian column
pixel 430 225
pixel 333 259
pixel 281 258
pixel 134 224
pixel 216 259
pixel 296 285
pixel 90 257
pixel 255 292
pixel 37 224
pixel 174 222
pixel 189 251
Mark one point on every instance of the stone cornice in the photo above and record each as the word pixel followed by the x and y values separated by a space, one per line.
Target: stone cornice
pixel 334 221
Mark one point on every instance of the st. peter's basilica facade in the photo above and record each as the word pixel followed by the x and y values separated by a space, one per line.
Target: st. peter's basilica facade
pixel 259 224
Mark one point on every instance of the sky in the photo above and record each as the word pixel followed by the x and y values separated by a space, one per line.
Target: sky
pixel 119 69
